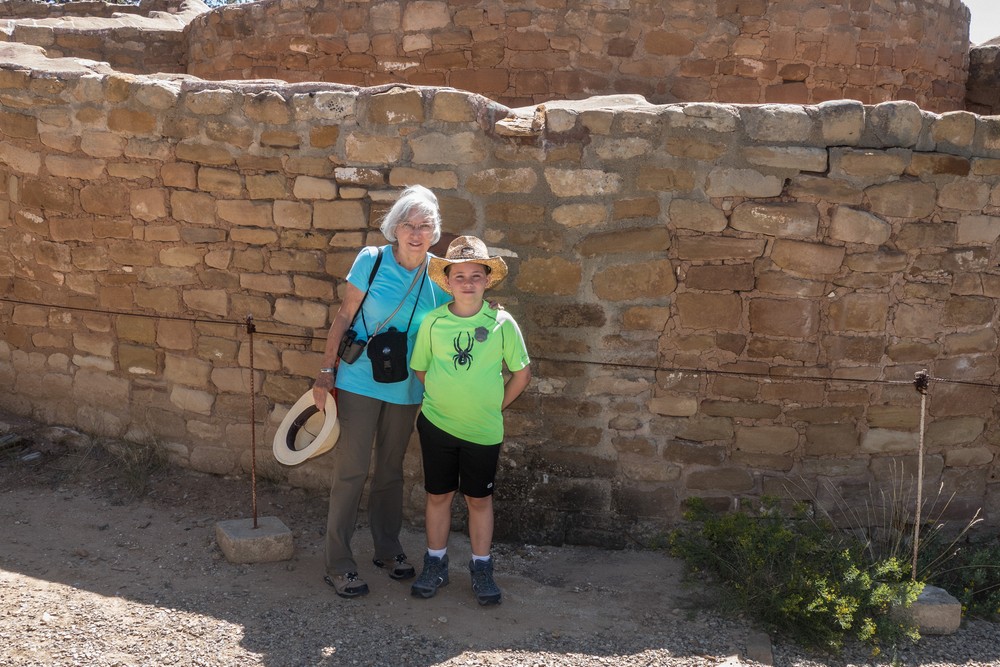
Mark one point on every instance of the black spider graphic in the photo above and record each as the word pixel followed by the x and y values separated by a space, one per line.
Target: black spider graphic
pixel 463 353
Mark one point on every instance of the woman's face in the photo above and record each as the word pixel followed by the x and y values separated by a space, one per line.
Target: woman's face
pixel 415 234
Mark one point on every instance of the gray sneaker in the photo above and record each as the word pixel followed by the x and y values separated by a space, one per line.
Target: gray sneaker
pixel 434 575
pixel 486 590
pixel 347 585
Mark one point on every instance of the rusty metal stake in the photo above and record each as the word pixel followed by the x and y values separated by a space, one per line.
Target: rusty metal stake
pixel 921 381
pixel 253 425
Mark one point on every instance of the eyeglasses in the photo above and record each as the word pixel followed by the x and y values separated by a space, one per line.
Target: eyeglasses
pixel 423 228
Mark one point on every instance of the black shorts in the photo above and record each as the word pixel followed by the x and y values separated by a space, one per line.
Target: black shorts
pixel 451 463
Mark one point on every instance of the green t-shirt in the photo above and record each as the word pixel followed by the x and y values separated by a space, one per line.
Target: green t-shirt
pixel 463 358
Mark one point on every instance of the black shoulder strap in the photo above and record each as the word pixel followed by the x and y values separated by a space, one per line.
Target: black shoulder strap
pixel 371 279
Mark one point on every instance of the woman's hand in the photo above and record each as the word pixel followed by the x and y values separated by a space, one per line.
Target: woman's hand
pixel 321 387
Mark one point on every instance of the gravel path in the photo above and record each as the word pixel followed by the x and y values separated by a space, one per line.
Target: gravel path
pixel 90 576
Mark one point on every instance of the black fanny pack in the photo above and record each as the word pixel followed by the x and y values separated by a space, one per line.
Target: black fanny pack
pixel 387 351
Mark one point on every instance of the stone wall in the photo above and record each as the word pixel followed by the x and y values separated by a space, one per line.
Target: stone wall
pixel 141 39
pixel 983 90
pixel 526 52
pixel 722 301
pixel 35 9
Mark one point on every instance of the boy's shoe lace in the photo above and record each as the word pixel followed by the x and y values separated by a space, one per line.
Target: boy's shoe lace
pixel 398 567
pixel 347 585
pixel 434 575
pixel 486 590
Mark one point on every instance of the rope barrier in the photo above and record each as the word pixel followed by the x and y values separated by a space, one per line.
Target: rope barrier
pixel 305 339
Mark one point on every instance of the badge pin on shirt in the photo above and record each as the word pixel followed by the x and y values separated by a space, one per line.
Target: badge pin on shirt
pixel 482 334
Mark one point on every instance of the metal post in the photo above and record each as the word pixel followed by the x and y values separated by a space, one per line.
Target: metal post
pixel 253 425
pixel 920 382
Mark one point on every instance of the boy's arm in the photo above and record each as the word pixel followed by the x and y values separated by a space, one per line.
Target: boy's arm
pixel 420 376
pixel 515 385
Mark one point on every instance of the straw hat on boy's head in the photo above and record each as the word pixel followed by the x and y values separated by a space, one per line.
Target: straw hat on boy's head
pixel 467 249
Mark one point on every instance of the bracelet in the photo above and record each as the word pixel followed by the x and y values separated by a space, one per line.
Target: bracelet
pixel 328 370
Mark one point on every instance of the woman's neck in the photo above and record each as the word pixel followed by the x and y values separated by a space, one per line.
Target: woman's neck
pixel 408 260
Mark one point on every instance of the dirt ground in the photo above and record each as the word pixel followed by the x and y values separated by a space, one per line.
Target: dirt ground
pixel 87 561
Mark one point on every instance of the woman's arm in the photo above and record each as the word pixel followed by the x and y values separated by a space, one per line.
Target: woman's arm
pixel 341 322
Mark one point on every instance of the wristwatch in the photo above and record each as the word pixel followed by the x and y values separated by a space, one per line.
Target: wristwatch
pixel 328 370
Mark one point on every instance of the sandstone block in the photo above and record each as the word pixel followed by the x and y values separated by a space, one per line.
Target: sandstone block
pixel 582 182
pixel 674 406
pixel 194 150
pixel 936 612
pixel 222 181
pixel 300 313
pixel 720 479
pixel 138 360
pixel 128 121
pixel 727 182
pixel 887 441
pixel 68 167
pixel 696 215
pixel 953 431
pixel 842 122
pixel 787 157
pixel 554 275
pixel 363 149
pixel 807 258
pixel 957 128
pixel 778 219
pixel 967 457
pixel 654 239
pixel 246 213
pixel 211 301
pixel 240 540
pixel 19 159
pixel 148 204
pixel 830 439
pixel 717 248
pixel 635 280
pixel 308 187
pixel 576 215
pixel 450 149
pixel 709 311
pixel 788 123
pixel 895 123
pixel 859 312
pixel 932 164
pixel 854 226
pixel 784 317
pixel 346 215
pixel 267 107
pixel 104 199
pixel 193 400
pixel 964 195
pixel 975 229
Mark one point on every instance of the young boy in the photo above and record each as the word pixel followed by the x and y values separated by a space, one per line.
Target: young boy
pixel 460 350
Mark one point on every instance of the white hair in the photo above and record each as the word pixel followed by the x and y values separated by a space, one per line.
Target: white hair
pixel 415 198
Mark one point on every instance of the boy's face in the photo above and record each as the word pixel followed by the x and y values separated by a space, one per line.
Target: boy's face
pixel 467 280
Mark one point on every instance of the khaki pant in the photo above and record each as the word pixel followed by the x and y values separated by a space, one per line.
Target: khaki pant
pixel 368 427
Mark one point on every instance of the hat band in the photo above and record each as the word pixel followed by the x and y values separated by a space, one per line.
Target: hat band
pixel 296 426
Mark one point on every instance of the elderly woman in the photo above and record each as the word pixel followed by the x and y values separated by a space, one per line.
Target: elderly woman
pixel 387 288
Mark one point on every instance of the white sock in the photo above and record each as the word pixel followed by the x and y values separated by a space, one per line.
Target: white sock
pixel 437 553
pixel 475 557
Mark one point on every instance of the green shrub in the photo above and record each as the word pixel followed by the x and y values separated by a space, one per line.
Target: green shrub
pixel 973 576
pixel 799 576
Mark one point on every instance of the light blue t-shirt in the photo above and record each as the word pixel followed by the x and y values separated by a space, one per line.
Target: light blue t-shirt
pixel 391 283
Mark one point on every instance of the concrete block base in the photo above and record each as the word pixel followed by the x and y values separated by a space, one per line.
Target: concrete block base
pixel 936 612
pixel 242 543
